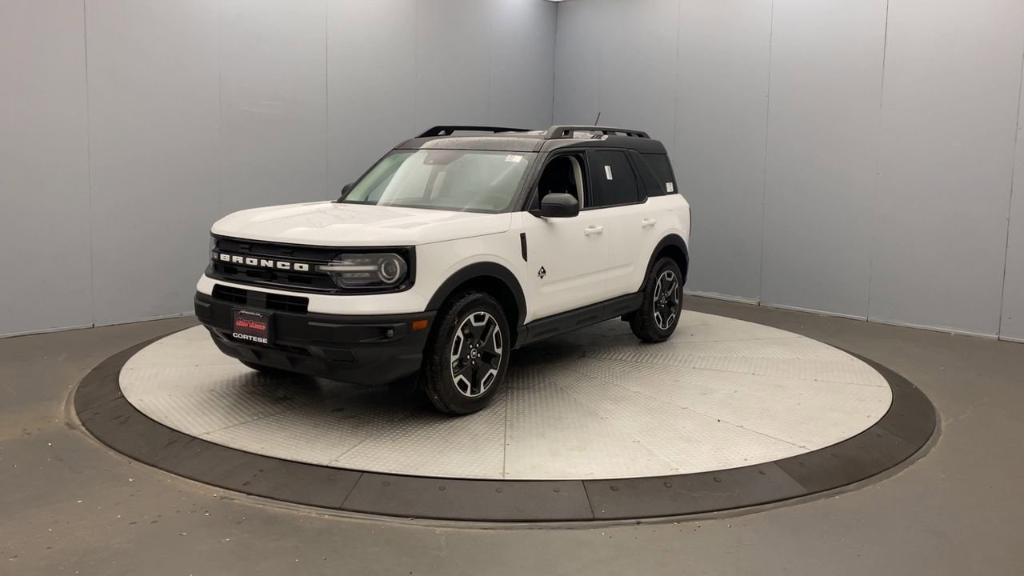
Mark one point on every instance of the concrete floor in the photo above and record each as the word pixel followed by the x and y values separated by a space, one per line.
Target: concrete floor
pixel 70 505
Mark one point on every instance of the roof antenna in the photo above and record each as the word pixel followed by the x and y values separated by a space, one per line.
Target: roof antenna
pixel 596 120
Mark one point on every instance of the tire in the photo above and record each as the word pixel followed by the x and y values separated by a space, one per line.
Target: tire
pixel 662 305
pixel 467 354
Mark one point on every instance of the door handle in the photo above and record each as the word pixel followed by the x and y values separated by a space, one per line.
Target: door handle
pixel 591 230
pixel 648 222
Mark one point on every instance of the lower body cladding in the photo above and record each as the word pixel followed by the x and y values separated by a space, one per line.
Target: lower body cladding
pixel 356 349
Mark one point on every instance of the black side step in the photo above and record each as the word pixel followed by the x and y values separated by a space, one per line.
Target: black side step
pixel 578 318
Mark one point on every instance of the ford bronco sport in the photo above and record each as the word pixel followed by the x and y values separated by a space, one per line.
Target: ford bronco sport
pixel 450 252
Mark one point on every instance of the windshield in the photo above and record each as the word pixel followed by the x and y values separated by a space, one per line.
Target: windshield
pixel 464 180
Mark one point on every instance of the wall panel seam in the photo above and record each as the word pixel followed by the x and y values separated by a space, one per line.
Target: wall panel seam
pixel 764 157
pixel 878 161
pixel 327 100
pixel 492 45
pixel 415 62
pixel 220 110
pixel 1009 205
pixel 554 63
pixel 88 163
pixel 675 81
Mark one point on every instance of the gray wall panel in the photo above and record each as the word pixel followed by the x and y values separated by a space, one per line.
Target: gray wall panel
pixel 273 132
pixel 718 155
pixel 627 76
pixel 637 67
pixel 44 176
pixel 153 100
pixel 888 143
pixel 577 69
pixel 200 108
pixel 431 63
pixel 826 73
pixel 452 59
pixel 950 108
pixel 1013 288
pixel 522 68
pixel 370 99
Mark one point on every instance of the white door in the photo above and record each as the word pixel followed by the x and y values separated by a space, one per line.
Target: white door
pixel 616 193
pixel 571 262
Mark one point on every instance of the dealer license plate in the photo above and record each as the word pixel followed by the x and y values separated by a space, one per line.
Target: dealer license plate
pixel 251 327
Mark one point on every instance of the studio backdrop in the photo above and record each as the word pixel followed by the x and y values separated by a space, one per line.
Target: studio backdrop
pixel 844 156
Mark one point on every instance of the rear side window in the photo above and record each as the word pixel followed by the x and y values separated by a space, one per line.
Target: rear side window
pixel 662 171
pixel 612 178
pixel 650 185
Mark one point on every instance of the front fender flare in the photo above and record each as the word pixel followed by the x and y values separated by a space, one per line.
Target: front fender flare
pixel 481 270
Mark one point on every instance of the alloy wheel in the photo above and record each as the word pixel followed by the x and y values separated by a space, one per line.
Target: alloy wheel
pixel 667 297
pixel 476 354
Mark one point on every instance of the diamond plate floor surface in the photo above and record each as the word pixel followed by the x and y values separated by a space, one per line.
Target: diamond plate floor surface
pixel 594 404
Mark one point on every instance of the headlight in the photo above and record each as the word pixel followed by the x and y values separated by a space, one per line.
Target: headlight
pixel 367 270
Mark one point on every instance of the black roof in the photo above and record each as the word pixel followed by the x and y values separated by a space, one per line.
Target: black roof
pixel 522 140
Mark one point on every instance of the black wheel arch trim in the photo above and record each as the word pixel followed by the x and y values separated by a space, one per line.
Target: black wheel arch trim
pixel 487 270
pixel 673 240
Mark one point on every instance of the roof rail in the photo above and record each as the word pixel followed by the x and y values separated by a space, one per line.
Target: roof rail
pixel 556 132
pixel 449 130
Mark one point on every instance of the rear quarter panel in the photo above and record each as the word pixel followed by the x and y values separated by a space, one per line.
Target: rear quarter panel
pixel 671 214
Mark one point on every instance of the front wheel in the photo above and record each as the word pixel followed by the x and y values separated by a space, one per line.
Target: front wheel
pixel 467 356
pixel 658 316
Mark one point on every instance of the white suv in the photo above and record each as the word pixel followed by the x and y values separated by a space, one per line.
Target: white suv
pixel 451 251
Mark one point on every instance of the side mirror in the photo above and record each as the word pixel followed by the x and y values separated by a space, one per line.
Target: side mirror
pixel 345 189
pixel 558 205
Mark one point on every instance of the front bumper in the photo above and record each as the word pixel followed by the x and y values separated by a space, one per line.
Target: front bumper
pixel 357 349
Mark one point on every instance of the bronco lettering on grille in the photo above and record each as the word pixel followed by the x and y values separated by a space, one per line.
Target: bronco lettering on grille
pixel 262 262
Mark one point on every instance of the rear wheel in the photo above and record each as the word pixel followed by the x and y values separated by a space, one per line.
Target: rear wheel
pixel 658 316
pixel 467 355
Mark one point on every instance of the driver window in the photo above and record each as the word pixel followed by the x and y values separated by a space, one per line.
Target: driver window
pixel 563 174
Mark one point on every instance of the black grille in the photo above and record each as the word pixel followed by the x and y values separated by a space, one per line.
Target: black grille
pixel 266 273
pixel 263 300
pixel 246 275
pixel 304 280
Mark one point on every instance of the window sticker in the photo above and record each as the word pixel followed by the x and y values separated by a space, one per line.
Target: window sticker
pixel 670 187
pixel 514 158
pixel 608 172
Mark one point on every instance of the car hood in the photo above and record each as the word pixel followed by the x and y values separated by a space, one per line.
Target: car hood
pixel 334 224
